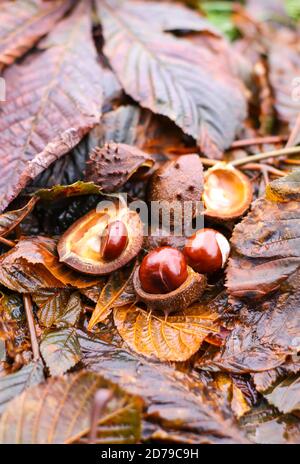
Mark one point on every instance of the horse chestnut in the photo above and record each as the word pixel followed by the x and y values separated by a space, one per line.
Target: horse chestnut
pixel 163 270
pixel 207 251
pixel 114 240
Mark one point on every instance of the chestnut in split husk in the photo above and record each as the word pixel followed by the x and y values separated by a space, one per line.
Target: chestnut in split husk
pixel 102 241
pixel 207 251
pixel 165 283
pixel 227 192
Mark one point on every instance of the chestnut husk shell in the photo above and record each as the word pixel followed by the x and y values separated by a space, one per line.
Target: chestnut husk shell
pixel 180 180
pixel 244 190
pixel 99 266
pixel 176 300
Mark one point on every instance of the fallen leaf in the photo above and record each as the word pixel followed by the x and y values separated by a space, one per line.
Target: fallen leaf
pixel 167 17
pixel 33 265
pixel 267 379
pixel 265 425
pixel 55 412
pixel 285 188
pixel 23 23
pixel 60 350
pixel 119 125
pixel 265 249
pixel 286 395
pixel 59 192
pixel 13 384
pixel 14 328
pixel 176 338
pixel 63 81
pixel 93 293
pixel 175 79
pixel 118 291
pixel 137 126
pixel 114 164
pixel 284 75
pixel 238 401
pixel 11 219
pixel 264 334
pixel 58 308
pixel 173 399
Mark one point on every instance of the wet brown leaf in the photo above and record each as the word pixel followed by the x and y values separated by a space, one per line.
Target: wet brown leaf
pixel 33 265
pixel 59 308
pixel 14 328
pixel 11 219
pixel 55 413
pixel 59 192
pixel 285 188
pixel 235 396
pixel 265 249
pixel 60 350
pixel 176 338
pixel 173 398
pixel 286 395
pixel 284 76
pixel 175 78
pixel 23 23
pixel 264 425
pixel 114 164
pixel 13 384
pixel 267 379
pixel 53 99
pixel 167 17
pixel 137 126
pixel 117 292
pixel 264 334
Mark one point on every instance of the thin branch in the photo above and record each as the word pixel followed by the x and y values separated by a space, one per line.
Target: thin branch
pixel 266 167
pixel 289 161
pixel 248 166
pixel 7 242
pixel 270 154
pixel 259 141
pixel 30 321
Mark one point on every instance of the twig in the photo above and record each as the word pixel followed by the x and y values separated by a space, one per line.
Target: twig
pixel 266 167
pixel 102 397
pixel 259 141
pixel 7 242
pixel 289 161
pixel 29 315
pixel 248 166
pixel 262 156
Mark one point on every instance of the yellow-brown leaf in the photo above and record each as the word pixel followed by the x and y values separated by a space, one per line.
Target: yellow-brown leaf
pixel 176 338
pixel 116 292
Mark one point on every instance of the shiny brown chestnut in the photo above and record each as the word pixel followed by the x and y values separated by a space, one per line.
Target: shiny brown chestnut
pixel 113 240
pixel 163 270
pixel 102 241
pixel 165 283
pixel 207 251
